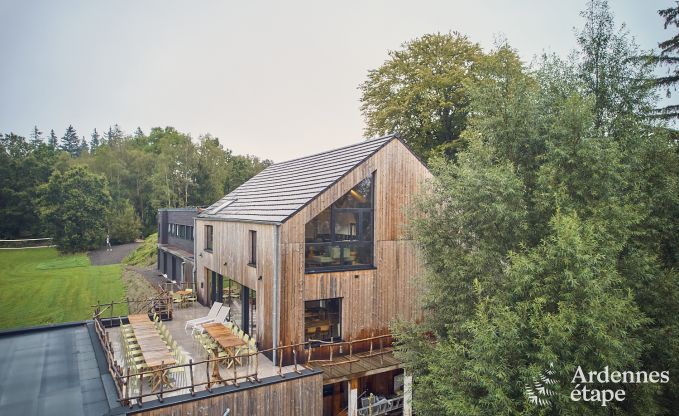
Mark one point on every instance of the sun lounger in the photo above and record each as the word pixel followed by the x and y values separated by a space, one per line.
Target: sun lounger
pixel 221 318
pixel 209 318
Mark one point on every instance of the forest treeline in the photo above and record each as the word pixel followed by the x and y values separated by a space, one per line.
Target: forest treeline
pixel 111 183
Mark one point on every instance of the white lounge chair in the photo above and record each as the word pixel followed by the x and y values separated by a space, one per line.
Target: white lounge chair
pixel 214 310
pixel 221 318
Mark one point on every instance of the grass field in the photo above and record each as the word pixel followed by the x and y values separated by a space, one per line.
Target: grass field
pixel 39 286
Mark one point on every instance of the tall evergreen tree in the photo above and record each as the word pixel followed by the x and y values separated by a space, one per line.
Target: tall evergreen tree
pixel 94 141
pixel 138 133
pixel 52 141
pixel 70 142
pixel 669 58
pixel 84 148
pixel 36 136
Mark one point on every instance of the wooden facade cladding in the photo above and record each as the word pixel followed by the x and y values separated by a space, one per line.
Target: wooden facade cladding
pixel 285 397
pixel 230 257
pixel 371 298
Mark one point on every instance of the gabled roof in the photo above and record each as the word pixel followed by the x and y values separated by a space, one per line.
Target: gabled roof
pixel 282 189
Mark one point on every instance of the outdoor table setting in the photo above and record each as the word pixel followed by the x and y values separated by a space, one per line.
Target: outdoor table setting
pixel 227 340
pixel 153 349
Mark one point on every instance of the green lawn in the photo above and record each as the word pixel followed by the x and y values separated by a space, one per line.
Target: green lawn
pixel 38 286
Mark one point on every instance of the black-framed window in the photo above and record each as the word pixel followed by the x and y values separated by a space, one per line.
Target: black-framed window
pixel 253 248
pixel 185 232
pixel 323 320
pixel 341 236
pixel 208 238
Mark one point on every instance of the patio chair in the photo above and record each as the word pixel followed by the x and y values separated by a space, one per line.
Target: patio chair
pixel 209 318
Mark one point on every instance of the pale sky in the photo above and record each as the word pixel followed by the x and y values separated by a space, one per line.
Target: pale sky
pixel 273 79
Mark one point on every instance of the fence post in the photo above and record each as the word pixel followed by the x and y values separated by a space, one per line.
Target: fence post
pixel 257 367
pixel 193 389
pixel 280 361
pixel 141 388
pixel 235 372
pixel 111 319
pixel 160 396
pixel 207 371
pixel 351 353
pixel 381 350
pixel 294 357
pixel 127 384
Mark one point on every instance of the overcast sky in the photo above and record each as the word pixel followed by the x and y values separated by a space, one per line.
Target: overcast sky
pixel 274 79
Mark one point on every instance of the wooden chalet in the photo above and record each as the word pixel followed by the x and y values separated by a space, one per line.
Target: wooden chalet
pixel 312 253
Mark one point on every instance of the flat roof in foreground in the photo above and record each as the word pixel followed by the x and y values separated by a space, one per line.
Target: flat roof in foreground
pixel 50 371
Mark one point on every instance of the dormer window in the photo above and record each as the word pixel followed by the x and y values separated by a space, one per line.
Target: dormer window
pixel 341 237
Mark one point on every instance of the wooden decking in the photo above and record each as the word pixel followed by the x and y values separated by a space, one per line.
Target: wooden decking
pixel 359 365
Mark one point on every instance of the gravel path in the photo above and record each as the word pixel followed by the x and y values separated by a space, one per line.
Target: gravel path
pixel 102 257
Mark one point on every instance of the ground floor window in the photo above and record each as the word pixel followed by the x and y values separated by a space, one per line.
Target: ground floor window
pixel 322 320
pixel 241 300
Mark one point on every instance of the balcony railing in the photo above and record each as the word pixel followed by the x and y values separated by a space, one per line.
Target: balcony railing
pixel 132 390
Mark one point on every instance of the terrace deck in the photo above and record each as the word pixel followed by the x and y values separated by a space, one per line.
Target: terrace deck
pixel 359 365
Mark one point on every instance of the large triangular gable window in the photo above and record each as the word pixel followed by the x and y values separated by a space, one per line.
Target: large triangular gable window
pixel 341 237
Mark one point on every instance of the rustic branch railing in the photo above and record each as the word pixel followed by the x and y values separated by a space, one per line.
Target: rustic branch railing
pixel 384 341
pixel 161 304
pixel 130 385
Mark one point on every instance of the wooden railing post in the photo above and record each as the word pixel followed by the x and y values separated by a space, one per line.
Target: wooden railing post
pixel 280 361
pixel 160 396
pixel 141 389
pixel 381 350
pixel 127 384
pixel 294 357
pixel 193 389
pixel 235 371
pixel 207 371
pixel 257 367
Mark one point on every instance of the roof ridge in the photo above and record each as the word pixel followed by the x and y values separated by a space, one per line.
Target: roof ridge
pixel 301 183
pixel 388 136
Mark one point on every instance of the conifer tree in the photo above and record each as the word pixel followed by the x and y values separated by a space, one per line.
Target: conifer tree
pixel 70 142
pixel 94 141
pixel 84 148
pixel 36 136
pixel 52 141
pixel 669 58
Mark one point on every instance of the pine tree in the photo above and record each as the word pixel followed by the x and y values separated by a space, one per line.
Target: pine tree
pixel 138 133
pixel 36 136
pixel 94 141
pixel 669 57
pixel 114 135
pixel 70 142
pixel 52 141
pixel 84 148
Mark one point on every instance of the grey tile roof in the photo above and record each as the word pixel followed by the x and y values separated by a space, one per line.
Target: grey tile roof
pixel 282 189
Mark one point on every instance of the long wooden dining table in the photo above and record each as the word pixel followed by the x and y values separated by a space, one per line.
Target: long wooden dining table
pixel 153 349
pixel 225 339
